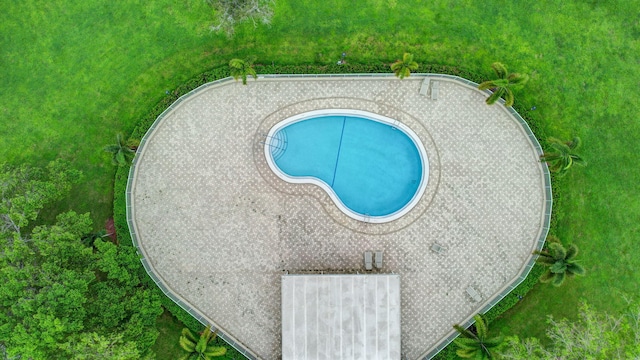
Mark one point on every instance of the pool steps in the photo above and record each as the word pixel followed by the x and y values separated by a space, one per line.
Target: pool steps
pixel 277 143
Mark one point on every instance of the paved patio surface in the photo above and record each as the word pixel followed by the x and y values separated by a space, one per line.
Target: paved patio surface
pixel 219 228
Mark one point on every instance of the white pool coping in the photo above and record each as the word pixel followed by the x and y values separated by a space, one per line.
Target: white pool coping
pixel 424 180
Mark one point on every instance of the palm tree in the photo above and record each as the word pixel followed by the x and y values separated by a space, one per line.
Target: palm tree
pixel 122 152
pixel 561 262
pixel 402 68
pixel 504 85
pixel 564 156
pixel 200 348
pixel 241 69
pixel 476 345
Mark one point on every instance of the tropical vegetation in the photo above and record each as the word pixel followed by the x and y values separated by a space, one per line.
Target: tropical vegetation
pixel 241 69
pixel 477 344
pixel 122 152
pixel 503 85
pixel 200 348
pixel 593 335
pixel 403 68
pixel 563 155
pixel 76 72
pixel 60 298
pixel 560 262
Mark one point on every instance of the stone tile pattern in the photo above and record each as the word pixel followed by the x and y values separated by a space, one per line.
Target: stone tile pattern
pixel 219 229
pixel 320 195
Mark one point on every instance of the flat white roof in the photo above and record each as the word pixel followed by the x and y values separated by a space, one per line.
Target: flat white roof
pixel 338 317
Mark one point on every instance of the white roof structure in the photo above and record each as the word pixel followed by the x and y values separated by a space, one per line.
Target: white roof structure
pixel 336 317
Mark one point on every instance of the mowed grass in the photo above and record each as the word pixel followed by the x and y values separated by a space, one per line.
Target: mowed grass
pixel 168 346
pixel 170 331
pixel 75 73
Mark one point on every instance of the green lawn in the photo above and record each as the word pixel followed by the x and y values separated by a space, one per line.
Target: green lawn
pixel 74 73
pixel 170 330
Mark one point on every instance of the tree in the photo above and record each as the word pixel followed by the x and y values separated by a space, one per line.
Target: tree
pixel 526 349
pixel 403 68
pixel 476 345
pixel 93 346
pixel 26 190
pixel 52 299
pixel 503 85
pixel 561 262
pixel 232 12
pixel 122 151
pixel 240 69
pixel 592 336
pixel 200 348
pixel 120 301
pixel 45 288
pixel 564 155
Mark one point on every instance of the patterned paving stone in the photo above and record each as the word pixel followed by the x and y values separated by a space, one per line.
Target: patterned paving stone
pixel 219 228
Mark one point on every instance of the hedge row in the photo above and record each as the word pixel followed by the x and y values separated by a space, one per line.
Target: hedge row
pixel 219 73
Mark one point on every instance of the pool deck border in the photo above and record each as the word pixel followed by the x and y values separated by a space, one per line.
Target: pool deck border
pixel 326 187
pixel 447 339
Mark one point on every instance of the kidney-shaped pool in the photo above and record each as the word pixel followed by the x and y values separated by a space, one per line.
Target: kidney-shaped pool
pixel 374 168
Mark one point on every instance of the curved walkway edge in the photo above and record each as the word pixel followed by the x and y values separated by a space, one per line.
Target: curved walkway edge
pixel 483 307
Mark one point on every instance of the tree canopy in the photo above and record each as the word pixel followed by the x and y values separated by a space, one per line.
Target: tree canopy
pixel 59 295
pixel 594 335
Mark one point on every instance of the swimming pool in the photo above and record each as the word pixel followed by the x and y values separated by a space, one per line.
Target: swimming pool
pixel 374 168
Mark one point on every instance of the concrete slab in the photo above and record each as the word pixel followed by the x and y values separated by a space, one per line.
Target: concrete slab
pixel 334 317
pixel 218 228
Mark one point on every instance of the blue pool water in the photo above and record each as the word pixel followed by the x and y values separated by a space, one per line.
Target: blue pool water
pixel 373 168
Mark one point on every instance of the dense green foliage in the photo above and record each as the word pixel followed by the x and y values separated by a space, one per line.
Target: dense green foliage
pixel 92 346
pixel 59 298
pixel 593 335
pixel 476 344
pixel 75 72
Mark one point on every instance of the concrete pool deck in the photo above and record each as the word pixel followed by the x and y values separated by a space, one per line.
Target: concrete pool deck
pixel 218 228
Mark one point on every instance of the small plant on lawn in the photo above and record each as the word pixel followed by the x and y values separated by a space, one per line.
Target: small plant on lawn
pixel 200 348
pixel 122 151
pixel 403 68
pixel 229 13
pixel 241 69
pixel 563 156
pixel 560 262
pixel 503 85
pixel 478 344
